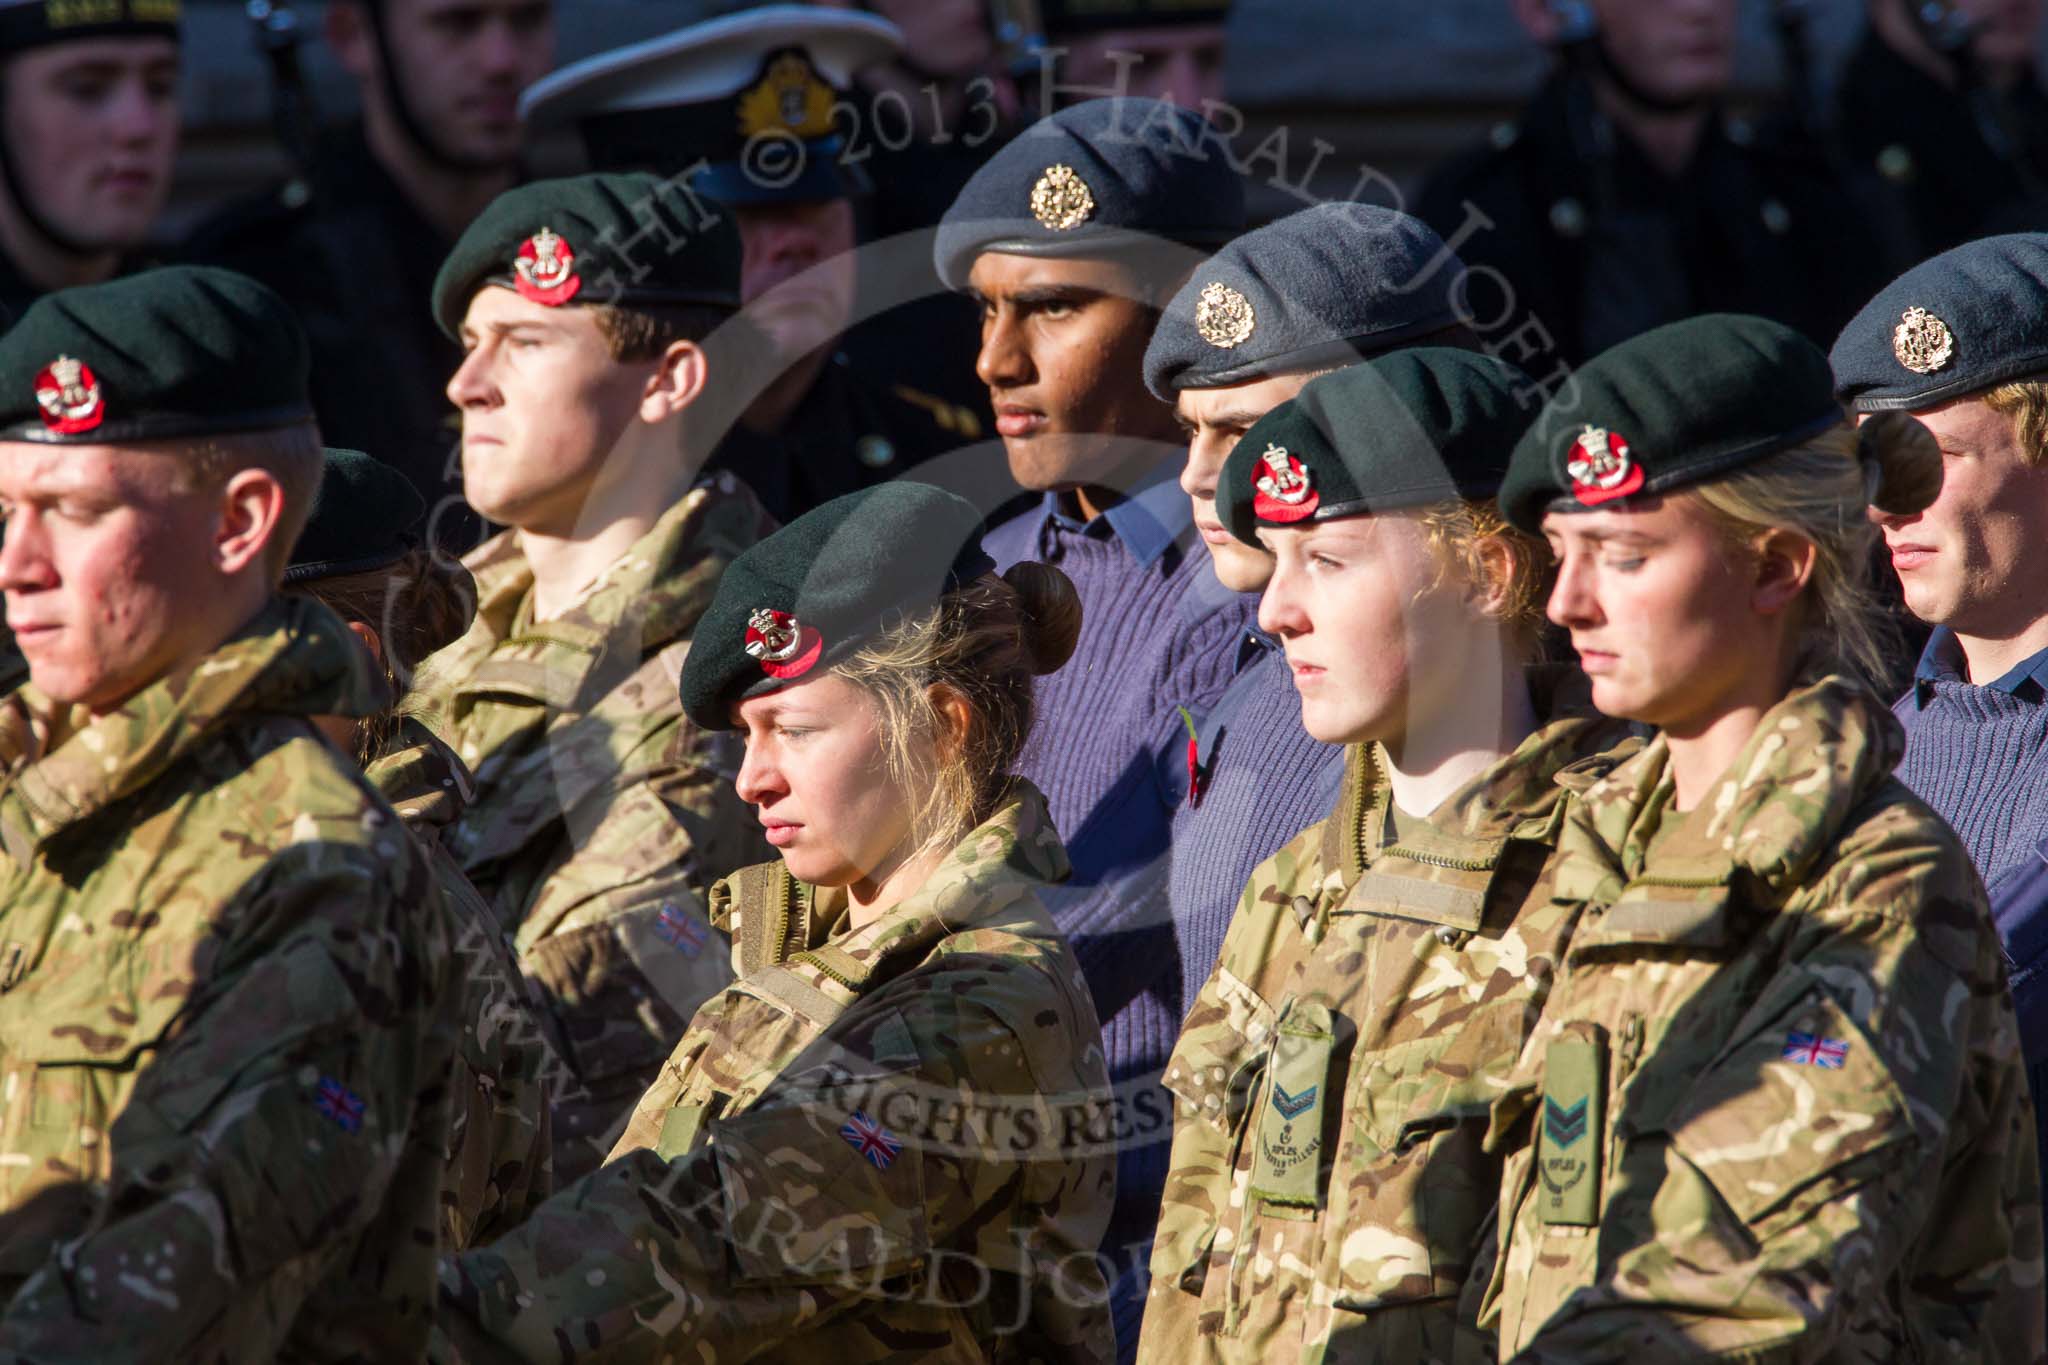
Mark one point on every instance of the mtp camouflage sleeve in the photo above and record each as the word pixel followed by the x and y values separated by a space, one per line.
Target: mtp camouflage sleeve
pixel 1818 1148
pixel 261 1151
pixel 744 1236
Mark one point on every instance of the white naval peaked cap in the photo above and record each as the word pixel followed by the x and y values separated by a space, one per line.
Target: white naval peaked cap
pixel 711 61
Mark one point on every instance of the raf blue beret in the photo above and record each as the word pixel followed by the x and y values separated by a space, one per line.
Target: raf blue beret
pixel 1327 286
pixel 1101 176
pixel 1959 323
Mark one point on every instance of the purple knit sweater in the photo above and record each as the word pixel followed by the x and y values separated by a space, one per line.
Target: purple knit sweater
pixel 1158 632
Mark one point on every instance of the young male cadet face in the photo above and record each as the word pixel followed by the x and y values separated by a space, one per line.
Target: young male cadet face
pixel 817 770
pixel 93 129
pixel 1374 629
pixel 1670 622
pixel 1063 355
pixel 119 567
pixel 544 406
pixel 1214 421
pixel 460 65
pixel 797 278
pixel 1182 63
pixel 1674 49
pixel 1971 560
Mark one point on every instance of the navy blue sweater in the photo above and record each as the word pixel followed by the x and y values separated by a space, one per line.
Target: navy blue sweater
pixel 1109 750
pixel 1265 781
pixel 1979 756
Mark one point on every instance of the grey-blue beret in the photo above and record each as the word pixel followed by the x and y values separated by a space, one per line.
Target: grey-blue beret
pixel 1098 177
pixel 1967 320
pixel 1329 285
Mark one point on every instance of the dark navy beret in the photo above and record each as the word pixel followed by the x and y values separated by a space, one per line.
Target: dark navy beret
pixel 1408 429
pixel 1674 406
pixel 1100 176
pixel 1326 286
pixel 815 591
pixel 170 353
pixel 618 238
pixel 366 515
pixel 1967 320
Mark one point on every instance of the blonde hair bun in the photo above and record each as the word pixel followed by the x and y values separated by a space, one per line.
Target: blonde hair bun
pixel 1901 462
pixel 1049 613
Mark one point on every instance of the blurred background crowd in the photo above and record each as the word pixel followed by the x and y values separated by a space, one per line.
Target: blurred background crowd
pixel 1603 165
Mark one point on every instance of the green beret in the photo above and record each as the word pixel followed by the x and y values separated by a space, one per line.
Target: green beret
pixel 1408 429
pixel 818 589
pixel 1676 405
pixel 619 238
pixel 365 516
pixel 182 351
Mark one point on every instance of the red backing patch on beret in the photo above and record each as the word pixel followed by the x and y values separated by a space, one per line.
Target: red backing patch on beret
pixel 545 269
pixel 68 395
pixel 1283 489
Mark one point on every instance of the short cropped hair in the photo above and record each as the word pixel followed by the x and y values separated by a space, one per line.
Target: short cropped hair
pixel 291 455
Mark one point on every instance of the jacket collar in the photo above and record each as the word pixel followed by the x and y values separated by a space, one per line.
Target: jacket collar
pixel 1814 759
pixel 649 598
pixel 991 876
pixel 294 657
pixel 1440 870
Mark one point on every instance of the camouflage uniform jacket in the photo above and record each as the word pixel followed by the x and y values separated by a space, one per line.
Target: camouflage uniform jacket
pixel 500 1143
pixel 1333 1078
pixel 1775 1108
pixel 601 815
pixel 881 1143
pixel 227 1021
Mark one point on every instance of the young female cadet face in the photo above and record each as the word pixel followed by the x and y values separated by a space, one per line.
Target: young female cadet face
pixel 1375 631
pixel 1672 624
pixel 816 769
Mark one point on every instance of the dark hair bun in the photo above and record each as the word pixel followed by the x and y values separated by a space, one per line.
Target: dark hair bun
pixel 1049 612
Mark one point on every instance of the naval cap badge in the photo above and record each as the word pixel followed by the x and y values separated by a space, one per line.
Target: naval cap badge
pixel 785 646
pixel 1922 342
pixel 1600 467
pixel 1283 489
pixel 1223 316
pixel 68 396
pixel 1061 201
pixel 545 269
pixel 789 98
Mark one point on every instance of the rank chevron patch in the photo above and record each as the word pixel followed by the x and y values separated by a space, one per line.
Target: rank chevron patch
pixel 1564 1126
pixel 1292 1106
